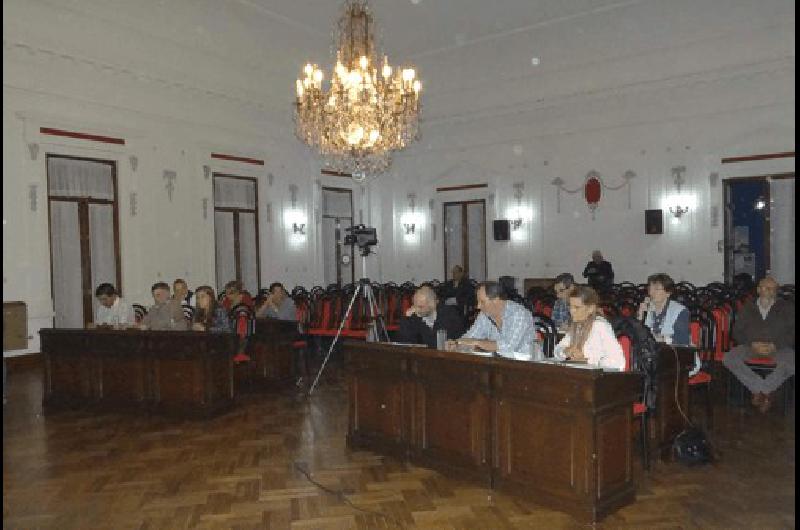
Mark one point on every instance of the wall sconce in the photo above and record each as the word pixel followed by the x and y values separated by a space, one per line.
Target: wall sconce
pixel 411 220
pixel 516 221
pixel 679 209
pixel 295 217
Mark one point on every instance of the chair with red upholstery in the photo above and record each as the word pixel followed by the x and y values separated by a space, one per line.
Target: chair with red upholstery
pixel 639 407
pixel 703 378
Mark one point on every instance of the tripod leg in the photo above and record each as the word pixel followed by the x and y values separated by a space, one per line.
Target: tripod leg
pixel 377 317
pixel 335 339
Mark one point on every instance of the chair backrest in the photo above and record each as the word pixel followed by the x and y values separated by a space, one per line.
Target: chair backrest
pixel 627 350
pixel 139 311
pixel 547 330
pixel 243 320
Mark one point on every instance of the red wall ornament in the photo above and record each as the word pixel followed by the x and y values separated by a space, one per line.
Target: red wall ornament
pixel 592 190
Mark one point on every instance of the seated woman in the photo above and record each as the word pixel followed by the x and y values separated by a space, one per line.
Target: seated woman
pixel 589 336
pixel 209 315
pixel 664 317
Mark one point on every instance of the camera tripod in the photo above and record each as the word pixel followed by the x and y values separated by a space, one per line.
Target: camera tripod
pixel 376 328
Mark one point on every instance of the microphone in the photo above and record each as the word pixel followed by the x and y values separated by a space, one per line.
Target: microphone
pixel 649 308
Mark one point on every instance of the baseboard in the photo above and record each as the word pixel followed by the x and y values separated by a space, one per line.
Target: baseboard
pixel 23 362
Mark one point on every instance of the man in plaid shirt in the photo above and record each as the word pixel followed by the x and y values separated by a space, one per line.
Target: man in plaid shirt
pixel 502 326
pixel 562 287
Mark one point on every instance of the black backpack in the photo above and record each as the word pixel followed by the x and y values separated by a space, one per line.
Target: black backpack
pixel 691 447
pixel 644 353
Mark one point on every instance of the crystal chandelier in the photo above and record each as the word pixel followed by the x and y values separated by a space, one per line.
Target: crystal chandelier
pixel 365 113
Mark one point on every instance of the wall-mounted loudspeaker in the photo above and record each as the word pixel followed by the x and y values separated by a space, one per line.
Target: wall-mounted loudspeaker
pixel 502 229
pixel 653 221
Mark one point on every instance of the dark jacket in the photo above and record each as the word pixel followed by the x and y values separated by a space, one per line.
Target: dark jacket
pixel 414 330
pixel 463 293
pixel 599 275
pixel 778 327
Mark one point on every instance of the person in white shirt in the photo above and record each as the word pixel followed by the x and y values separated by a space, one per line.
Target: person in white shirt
pixel 589 337
pixel 113 310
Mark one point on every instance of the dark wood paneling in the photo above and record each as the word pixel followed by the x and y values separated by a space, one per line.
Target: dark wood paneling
pixel 750 158
pixel 81 136
pixel 243 159
pixel 188 374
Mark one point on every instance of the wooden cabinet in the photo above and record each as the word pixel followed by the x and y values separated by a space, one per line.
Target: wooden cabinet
pixel 556 434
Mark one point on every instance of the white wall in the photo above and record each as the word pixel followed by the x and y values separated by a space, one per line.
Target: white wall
pixel 647 89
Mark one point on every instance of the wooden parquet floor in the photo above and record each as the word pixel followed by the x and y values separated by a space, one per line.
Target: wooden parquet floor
pixel 244 470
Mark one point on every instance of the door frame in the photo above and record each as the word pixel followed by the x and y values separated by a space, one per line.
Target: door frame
pixel 728 237
pixel 236 242
pixel 338 252
pixel 83 232
pixel 464 235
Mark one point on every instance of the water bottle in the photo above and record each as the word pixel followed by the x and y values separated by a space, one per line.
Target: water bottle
pixel 441 338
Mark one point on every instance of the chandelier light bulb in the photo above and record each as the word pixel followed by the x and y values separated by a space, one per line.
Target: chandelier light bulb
pixel 417 86
pixel 363 62
pixel 299 88
pixel 318 76
pixel 309 70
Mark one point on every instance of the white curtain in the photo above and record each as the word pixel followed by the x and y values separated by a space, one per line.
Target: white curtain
pixel 247 250
pixel 234 193
pixel 226 260
pixel 453 234
pixel 329 249
pixel 781 218
pixel 65 247
pixel 476 221
pixel 80 178
pixel 101 245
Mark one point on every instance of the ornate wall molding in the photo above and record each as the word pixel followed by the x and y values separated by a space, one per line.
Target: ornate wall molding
pixel 170 177
pixel 592 187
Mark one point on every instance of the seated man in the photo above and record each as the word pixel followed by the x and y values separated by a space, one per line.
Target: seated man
pixel 166 313
pixel 181 292
pixel 502 325
pixel 563 288
pixel 426 317
pixel 278 304
pixel 113 310
pixel 235 295
pixel 763 327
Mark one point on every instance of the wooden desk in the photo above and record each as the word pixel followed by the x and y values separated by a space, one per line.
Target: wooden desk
pixel 272 351
pixel 558 435
pixel 667 421
pixel 183 373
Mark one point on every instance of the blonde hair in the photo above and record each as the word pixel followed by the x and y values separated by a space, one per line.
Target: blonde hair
pixel 579 331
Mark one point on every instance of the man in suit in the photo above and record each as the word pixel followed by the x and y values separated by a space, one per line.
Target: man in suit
pixel 426 316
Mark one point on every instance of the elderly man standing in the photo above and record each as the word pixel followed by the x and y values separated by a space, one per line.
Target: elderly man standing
pixel 426 317
pixel 502 326
pixel 763 328
pixel 599 273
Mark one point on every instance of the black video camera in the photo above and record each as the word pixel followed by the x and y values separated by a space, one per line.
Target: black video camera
pixel 361 236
